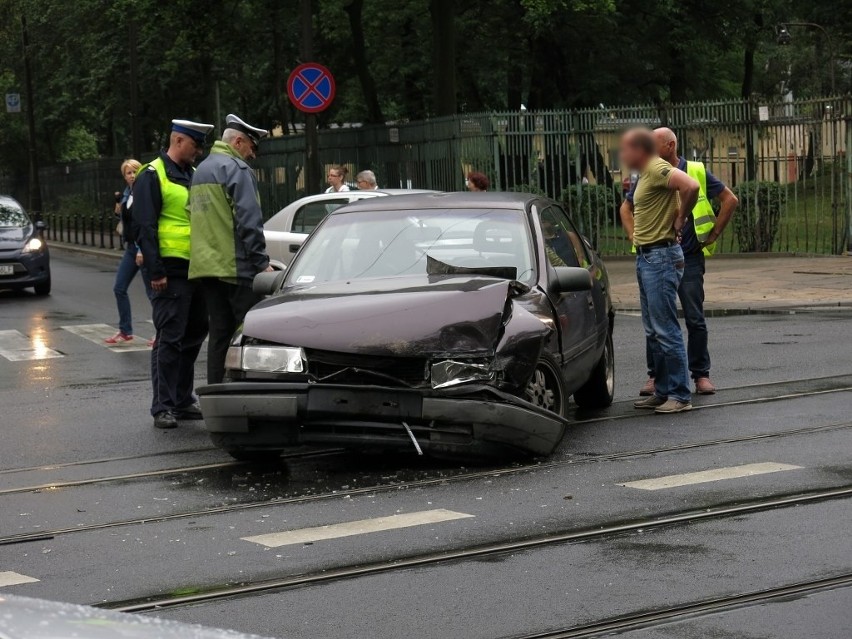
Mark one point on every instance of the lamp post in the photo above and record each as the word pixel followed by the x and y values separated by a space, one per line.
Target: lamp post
pixel 784 38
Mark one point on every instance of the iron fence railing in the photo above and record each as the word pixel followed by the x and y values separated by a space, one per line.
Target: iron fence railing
pixel 800 146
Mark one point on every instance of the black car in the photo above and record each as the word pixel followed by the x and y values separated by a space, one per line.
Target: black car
pixel 452 323
pixel 24 258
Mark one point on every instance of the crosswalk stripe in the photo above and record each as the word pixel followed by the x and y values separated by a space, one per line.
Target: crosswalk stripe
pixel 9 578
pixel 97 333
pixel 704 476
pixel 350 528
pixel 17 347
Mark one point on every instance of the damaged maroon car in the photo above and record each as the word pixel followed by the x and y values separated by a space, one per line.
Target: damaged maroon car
pixel 456 324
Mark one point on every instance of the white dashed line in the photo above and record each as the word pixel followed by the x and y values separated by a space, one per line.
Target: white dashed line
pixel 17 347
pixel 350 528
pixel 704 476
pixel 9 578
pixel 97 333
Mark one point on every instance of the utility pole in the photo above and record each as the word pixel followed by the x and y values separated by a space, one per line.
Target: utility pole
pixel 312 163
pixel 34 203
pixel 133 57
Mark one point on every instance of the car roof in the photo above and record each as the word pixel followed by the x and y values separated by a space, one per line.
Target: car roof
pixel 462 200
pixel 7 199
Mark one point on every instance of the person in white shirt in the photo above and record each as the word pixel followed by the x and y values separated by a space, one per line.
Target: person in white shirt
pixel 337 179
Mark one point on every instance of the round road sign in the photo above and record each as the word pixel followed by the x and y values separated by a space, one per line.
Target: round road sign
pixel 311 87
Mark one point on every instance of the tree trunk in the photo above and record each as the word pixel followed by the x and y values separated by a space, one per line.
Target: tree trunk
pixel 752 38
pixel 354 9
pixel 443 56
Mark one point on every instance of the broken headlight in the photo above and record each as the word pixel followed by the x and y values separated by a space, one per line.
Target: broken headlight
pixel 451 372
pixel 266 359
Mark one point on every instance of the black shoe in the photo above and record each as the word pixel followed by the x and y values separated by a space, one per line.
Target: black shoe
pixel 191 412
pixel 165 419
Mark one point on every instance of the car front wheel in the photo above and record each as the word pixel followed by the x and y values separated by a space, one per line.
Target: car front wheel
pixel 546 388
pixel 43 288
pixel 599 391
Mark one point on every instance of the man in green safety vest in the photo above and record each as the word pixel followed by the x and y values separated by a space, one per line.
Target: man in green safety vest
pixel 698 241
pixel 161 226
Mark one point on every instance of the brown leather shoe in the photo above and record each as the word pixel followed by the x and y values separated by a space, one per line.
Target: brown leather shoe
pixel 673 406
pixel 703 386
pixel 648 388
pixel 653 402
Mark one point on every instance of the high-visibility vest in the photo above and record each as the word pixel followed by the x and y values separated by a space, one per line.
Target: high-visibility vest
pixel 703 217
pixel 173 225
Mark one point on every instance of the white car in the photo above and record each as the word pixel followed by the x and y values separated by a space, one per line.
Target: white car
pixel 287 230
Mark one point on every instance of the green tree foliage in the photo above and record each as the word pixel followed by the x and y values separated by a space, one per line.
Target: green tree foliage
pixel 393 60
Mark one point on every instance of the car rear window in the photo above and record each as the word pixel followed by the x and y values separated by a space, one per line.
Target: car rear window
pixel 12 216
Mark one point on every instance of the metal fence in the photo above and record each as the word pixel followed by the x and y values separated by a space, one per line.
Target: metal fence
pixel 797 150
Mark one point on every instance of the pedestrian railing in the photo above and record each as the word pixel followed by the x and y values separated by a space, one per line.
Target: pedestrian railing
pixel 801 147
pixel 96 231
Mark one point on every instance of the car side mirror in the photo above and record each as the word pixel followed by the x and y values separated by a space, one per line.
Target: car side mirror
pixel 41 226
pixel 571 279
pixel 268 282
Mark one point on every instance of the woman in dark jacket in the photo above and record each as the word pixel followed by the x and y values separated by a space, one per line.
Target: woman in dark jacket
pixel 131 260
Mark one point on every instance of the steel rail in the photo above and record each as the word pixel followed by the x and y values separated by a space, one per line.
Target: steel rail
pixel 325 452
pixel 420 483
pixel 148 604
pixel 663 616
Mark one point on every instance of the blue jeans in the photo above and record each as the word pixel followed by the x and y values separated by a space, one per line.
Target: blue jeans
pixel 127 270
pixel 660 271
pixel 691 294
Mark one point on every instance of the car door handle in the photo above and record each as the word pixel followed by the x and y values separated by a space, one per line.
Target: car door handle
pixel 294 247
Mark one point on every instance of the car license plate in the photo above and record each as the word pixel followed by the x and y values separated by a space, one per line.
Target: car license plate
pixel 7 269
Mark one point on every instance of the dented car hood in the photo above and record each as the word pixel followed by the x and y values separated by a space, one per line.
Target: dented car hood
pixel 398 316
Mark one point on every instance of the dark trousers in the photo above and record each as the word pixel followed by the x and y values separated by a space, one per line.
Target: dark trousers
pixel 180 317
pixel 691 295
pixel 227 305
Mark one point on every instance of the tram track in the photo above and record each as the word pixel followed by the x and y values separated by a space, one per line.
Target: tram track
pixel 43 535
pixel 631 414
pixel 157 603
pixel 692 610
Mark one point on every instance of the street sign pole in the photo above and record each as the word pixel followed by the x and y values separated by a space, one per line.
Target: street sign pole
pixel 312 163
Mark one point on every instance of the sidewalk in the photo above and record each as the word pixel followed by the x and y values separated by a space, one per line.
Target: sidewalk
pixel 732 283
pixel 759 283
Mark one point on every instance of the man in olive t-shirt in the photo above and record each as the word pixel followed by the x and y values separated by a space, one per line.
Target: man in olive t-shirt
pixel 663 197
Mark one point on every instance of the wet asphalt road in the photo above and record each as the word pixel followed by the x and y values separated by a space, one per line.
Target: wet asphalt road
pixel 129 513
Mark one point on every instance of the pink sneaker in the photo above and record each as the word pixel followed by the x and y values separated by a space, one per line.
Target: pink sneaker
pixel 119 338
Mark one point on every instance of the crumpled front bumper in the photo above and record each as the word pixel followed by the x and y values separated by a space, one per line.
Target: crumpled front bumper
pixel 474 420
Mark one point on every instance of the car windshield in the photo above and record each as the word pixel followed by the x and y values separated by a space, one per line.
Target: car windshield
pixel 12 216
pixel 370 244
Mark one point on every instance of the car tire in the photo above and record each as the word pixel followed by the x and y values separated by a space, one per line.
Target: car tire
pixel 43 288
pixel 546 387
pixel 599 391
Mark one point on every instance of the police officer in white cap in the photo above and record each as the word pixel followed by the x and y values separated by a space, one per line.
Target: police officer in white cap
pixel 161 223
pixel 228 247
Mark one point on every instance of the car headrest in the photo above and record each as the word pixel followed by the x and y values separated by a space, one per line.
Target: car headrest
pixel 495 237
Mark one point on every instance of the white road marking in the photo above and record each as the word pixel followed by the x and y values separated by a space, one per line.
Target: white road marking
pixel 350 528
pixel 9 578
pixel 17 347
pixel 97 333
pixel 704 476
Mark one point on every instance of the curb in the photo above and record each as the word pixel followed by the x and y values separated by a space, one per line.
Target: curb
pixel 781 309
pixel 91 251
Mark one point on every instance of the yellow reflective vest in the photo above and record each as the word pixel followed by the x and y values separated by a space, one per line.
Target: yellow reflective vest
pixel 703 217
pixel 173 225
